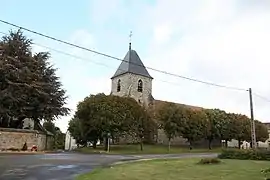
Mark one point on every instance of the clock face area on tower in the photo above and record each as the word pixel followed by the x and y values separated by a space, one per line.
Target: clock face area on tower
pixel 132 79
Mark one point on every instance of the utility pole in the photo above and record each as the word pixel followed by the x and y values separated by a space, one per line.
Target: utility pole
pixel 253 133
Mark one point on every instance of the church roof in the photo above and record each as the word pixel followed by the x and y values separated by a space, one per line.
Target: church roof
pixel 159 104
pixel 132 64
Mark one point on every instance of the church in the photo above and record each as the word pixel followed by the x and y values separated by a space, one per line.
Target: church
pixel 132 79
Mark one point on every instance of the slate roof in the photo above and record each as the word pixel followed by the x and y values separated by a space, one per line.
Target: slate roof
pixel 132 64
pixel 159 104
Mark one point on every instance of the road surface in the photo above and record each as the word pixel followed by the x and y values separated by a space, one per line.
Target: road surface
pixel 64 166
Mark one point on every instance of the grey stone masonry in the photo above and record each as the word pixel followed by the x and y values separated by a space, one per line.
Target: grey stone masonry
pixel 129 87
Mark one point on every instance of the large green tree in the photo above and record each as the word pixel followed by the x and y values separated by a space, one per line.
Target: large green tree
pixel 195 126
pixel 29 86
pixel 218 126
pixel 140 124
pixel 172 119
pixel 84 133
pixel 241 128
pixel 261 131
pixel 111 116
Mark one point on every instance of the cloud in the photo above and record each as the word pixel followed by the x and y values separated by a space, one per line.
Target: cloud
pixel 85 87
pixel 216 41
pixel 79 75
pixel 224 42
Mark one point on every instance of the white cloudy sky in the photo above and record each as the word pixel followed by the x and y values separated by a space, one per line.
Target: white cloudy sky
pixel 220 41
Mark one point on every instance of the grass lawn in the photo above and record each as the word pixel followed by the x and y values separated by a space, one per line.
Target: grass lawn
pixel 183 169
pixel 148 149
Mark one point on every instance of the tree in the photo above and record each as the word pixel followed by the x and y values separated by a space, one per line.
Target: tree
pixel 49 126
pixel 29 87
pixel 140 123
pixel 110 115
pixel 78 132
pixel 172 118
pixel 261 131
pixel 59 137
pixel 218 126
pixel 195 126
pixel 241 128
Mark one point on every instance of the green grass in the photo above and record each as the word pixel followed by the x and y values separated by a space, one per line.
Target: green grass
pixel 148 149
pixel 184 169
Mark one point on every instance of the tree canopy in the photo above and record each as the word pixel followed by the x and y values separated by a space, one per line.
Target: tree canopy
pixel 210 124
pixel 59 137
pixel 29 86
pixel 100 116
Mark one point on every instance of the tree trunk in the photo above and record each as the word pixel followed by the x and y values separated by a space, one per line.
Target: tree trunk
pixel 95 144
pixel 210 143
pixel 226 143
pixel 239 144
pixel 106 144
pixel 190 145
pixel 169 148
pixel 141 145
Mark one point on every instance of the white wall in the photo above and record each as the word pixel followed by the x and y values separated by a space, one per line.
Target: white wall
pixel 70 143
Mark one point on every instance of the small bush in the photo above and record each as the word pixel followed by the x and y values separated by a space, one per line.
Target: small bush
pixel 24 148
pixel 13 149
pixel 266 173
pixel 209 161
pixel 245 154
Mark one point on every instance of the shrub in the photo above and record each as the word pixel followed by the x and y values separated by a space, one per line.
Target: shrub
pixel 13 149
pixel 209 161
pixel 24 148
pixel 245 154
pixel 266 173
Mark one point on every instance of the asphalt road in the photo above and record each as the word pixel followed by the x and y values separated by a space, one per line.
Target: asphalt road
pixel 64 166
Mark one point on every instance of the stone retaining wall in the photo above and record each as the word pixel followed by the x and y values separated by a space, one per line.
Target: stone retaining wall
pixel 15 139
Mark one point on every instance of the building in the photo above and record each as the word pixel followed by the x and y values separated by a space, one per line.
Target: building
pixel 70 142
pixel 132 79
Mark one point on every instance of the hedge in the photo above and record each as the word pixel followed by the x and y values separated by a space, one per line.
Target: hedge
pixel 245 154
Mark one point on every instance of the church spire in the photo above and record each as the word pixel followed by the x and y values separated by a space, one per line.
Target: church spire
pixel 130 40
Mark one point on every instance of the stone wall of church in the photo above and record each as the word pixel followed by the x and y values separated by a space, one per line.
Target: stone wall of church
pixel 129 85
pixel 162 139
pixel 180 141
pixel 15 139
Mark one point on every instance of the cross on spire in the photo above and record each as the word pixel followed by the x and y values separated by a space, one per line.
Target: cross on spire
pixel 130 35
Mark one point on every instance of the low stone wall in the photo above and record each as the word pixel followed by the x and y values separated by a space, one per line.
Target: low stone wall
pixel 15 138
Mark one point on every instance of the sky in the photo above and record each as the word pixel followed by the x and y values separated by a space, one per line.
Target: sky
pixel 224 42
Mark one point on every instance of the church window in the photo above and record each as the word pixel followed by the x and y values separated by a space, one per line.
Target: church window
pixel 140 86
pixel 118 85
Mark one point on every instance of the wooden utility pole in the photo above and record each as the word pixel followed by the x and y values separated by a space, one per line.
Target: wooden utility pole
pixel 253 133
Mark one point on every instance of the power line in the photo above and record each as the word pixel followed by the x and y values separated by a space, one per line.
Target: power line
pixel 115 58
pixel 261 97
pixel 85 59
pixel 105 65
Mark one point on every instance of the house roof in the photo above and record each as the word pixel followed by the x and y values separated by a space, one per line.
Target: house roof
pixel 132 64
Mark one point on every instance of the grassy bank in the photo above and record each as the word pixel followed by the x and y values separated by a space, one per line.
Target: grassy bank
pixel 148 149
pixel 181 169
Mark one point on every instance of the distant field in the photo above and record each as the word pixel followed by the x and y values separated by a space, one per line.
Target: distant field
pixel 148 149
pixel 184 169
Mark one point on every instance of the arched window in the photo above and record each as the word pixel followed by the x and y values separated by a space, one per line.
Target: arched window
pixel 118 85
pixel 140 86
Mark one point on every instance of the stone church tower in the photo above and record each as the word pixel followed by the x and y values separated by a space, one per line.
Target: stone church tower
pixel 132 79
